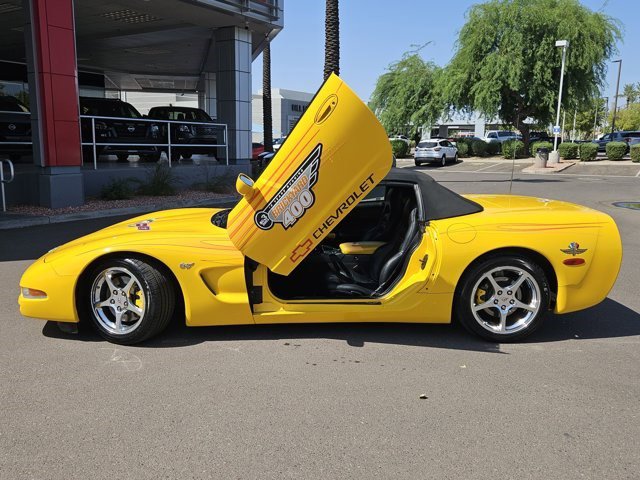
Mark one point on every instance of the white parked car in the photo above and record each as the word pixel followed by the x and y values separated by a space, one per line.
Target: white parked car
pixel 500 136
pixel 435 150
pixel 277 143
pixel 400 137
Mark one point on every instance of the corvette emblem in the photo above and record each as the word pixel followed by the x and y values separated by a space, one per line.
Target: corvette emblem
pixel 574 249
pixel 295 197
pixel 144 225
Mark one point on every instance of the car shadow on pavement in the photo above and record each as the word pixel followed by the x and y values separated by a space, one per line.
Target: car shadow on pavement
pixel 610 319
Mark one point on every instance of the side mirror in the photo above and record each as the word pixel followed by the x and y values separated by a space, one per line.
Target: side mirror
pixel 244 184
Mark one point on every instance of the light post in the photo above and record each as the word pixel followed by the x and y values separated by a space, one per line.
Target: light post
pixel 615 99
pixel 555 157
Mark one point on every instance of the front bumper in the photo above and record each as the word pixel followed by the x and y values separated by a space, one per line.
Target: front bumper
pixel 59 304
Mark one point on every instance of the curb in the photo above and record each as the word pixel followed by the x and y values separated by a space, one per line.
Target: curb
pixel 26 221
pixel 558 167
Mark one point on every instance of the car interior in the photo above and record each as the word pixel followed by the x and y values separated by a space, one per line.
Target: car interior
pixel 365 254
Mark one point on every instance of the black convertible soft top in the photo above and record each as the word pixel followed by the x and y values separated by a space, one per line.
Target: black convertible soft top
pixel 439 202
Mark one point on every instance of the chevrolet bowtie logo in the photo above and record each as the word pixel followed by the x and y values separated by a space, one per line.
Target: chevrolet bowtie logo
pixel 574 249
pixel 301 251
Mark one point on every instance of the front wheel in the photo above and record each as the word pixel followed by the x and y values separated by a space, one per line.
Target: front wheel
pixel 127 300
pixel 417 163
pixel 503 299
pixel 443 162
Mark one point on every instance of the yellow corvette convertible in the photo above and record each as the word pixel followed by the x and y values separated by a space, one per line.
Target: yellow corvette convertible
pixel 330 233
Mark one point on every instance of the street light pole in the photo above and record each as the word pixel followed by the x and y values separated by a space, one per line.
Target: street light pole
pixel 564 44
pixel 615 99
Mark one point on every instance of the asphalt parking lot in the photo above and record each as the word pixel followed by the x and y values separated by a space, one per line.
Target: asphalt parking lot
pixel 332 401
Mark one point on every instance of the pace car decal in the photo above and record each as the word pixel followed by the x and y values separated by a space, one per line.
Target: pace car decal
pixel 143 225
pixel 295 197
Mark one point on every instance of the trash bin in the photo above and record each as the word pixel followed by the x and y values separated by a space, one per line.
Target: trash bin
pixel 542 157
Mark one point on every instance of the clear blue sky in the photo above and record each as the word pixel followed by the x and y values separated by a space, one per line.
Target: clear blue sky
pixel 374 34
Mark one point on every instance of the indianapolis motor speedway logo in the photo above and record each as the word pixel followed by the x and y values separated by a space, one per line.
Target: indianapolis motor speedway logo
pixel 294 198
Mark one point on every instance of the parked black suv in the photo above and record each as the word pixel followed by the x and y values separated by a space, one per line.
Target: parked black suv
pixel 630 137
pixel 189 133
pixel 126 128
pixel 15 126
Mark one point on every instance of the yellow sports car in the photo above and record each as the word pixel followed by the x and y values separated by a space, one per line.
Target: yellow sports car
pixel 329 234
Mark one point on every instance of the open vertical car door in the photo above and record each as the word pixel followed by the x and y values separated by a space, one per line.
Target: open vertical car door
pixel 332 159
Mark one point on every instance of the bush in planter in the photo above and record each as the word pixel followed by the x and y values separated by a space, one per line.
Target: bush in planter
pixel 511 148
pixel 117 189
pixel 493 148
pixel 635 153
pixel 478 148
pixel 588 152
pixel 463 148
pixel 616 150
pixel 536 145
pixel 568 150
pixel 400 148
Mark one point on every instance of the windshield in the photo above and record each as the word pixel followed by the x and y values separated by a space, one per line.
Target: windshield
pixel 633 134
pixel 107 108
pixel 11 105
pixel 427 144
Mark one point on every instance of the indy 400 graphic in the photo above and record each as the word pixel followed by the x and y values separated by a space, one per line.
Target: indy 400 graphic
pixel 294 198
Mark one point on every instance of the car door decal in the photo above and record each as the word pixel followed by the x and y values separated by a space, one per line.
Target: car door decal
pixel 296 196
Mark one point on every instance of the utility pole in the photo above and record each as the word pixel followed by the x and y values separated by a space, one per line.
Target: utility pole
pixel 564 44
pixel 615 99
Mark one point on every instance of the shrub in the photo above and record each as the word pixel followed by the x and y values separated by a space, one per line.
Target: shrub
pixel 478 148
pixel 412 144
pixel 568 150
pixel 536 145
pixel 635 153
pixel 161 182
pixel 588 152
pixel 493 148
pixel 616 150
pixel 221 184
pixel 117 189
pixel 512 148
pixel 400 148
pixel 463 148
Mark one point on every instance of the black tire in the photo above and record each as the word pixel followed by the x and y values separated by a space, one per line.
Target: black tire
pixel 474 288
pixel 187 156
pixel 417 163
pixel 152 290
pixel 122 157
pixel 455 158
pixel 443 162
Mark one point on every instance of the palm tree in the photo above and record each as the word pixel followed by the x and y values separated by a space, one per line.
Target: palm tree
pixel 331 39
pixel 267 120
pixel 629 91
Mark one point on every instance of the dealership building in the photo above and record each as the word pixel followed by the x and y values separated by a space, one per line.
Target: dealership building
pixel 53 51
pixel 287 106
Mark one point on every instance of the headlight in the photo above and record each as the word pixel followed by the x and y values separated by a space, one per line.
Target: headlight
pixel 33 293
pixel 184 129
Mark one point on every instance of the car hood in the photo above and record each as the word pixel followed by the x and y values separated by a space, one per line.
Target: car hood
pixel 170 228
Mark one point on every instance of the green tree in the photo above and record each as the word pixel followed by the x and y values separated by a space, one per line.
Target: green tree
pixel 630 92
pixel 405 97
pixel 627 118
pixel 590 114
pixel 331 38
pixel 506 63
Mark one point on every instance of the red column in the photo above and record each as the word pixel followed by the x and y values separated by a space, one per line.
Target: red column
pixel 56 72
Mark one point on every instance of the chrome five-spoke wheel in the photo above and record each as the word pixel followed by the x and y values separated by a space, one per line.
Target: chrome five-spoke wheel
pixel 128 300
pixel 119 302
pixel 503 298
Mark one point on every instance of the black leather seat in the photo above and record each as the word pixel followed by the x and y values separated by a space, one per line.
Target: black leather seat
pixel 384 264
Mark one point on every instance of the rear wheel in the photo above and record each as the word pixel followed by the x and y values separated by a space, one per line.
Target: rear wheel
pixel 503 299
pixel 417 163
pixel 187 156
pixel 122 157
pixel 127 300
pixel 443 162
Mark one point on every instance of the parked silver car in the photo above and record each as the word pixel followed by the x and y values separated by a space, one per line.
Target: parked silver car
pixel 501 136
pixel 435 151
